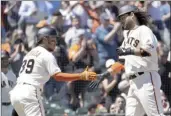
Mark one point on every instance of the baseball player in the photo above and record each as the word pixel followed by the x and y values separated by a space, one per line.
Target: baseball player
pixel 38 66
pixel 141 63
pixel 8 80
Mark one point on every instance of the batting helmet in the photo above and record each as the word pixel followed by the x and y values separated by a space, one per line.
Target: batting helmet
pixel 4 54
pixel 46 32
pixel 126 9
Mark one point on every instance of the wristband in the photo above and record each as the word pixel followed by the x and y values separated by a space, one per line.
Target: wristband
pixel 105 74
pixel 129 51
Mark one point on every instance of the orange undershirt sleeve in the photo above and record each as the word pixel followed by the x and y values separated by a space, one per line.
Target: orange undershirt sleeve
pixel 66 77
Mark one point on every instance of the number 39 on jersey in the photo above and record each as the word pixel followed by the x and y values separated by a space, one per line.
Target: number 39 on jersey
pixel 27 66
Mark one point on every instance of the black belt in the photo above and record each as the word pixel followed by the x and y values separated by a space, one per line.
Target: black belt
pixel 6 103
pixel 134 75
pixel 27 83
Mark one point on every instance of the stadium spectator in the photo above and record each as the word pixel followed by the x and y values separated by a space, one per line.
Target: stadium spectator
pixel 164 69
pixel 8 81
pixel 106 49
pixel 165 102
pixel 118 107
pixel 109 86
pixel 79 11
pixel 11 10
pixel 92 109
pixel 166 18
pixel 17 56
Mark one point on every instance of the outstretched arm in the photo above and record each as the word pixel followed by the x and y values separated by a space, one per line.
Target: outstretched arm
pixel 66 77
pixel 86 75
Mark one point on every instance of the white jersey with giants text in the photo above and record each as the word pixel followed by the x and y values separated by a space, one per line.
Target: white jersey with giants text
pixel 38 66
pixel 141 37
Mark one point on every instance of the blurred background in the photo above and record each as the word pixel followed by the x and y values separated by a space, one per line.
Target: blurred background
pixel 84 28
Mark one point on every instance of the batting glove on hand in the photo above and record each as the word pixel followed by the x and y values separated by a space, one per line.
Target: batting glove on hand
pixel 116 68
pixel 88 76
pixel 123 51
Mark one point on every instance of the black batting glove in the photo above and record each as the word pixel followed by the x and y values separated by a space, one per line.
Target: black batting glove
pixel 123 51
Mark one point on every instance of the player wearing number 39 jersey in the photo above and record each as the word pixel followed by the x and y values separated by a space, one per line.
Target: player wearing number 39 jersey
pixel 141 63
pixel 38 66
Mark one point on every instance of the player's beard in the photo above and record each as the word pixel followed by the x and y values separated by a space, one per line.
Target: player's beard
pixel 50 50
pixel 128 24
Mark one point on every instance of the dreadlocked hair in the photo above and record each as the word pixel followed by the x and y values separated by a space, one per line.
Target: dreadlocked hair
pixel 142 17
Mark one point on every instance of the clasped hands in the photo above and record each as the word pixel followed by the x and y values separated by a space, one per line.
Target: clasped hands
pixel 90 76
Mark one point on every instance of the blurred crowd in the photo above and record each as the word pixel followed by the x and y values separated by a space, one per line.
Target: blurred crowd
pixel 89 35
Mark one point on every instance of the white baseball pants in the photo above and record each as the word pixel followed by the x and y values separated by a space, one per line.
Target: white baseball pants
pixel 144 95
pixel 26 100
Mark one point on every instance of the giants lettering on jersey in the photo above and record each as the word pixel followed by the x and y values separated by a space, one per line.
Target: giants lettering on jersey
pixel 132 41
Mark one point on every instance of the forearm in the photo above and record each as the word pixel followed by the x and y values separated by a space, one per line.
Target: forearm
pixel 141 52
pixel 166 17
pixel 95 61
pixel 66 77
pixel 106 73
pixel 9 8
pixel 111 34
pixel 146 5
pixel 129 51
pixel 137 52
pixel 110 86
pixel 12 56
pixel 78 55
pixel 25 51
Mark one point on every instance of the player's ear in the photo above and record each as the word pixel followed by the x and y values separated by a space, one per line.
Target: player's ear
pixel 44 39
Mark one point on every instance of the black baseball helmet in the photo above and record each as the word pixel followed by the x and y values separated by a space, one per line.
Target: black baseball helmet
pixel 4 54
pixel 47 32
pixel 127 9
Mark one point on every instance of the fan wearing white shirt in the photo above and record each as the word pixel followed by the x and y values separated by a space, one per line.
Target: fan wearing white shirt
pixel 8 80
